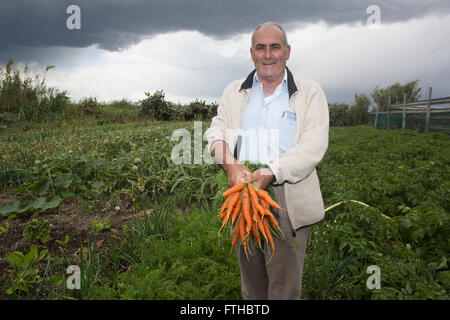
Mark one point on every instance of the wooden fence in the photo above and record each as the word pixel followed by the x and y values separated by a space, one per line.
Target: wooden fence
pixel 425 115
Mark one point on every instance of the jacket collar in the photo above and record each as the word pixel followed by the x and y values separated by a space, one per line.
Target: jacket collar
pixel 292 88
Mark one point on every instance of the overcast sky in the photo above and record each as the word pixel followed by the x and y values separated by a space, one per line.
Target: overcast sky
pixel 192 48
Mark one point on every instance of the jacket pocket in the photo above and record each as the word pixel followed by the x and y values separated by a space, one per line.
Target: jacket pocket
pixel 308 185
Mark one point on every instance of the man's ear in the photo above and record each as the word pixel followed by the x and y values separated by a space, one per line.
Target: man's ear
pixel 288 52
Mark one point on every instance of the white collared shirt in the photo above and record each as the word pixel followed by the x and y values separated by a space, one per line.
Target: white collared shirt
pixel 269 124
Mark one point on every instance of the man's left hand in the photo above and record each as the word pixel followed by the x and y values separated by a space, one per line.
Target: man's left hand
pixel 262 178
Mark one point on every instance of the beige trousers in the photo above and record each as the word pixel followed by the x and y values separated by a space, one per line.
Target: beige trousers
pixel 281 277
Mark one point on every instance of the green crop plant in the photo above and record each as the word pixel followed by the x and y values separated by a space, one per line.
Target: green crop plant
pixel 25 270
pixel 100 226
pixel 37 230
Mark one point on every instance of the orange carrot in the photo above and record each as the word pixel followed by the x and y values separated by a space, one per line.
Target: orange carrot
pixel 272 219
pixel 223 207
pixel 255 214
pixel 256 218
pixel 234 198
pixel 235 235
pixel 254 199
pixel 265 195
pixel 223 213
pixel 242 232
pixel 269 236
pixel 251 191
pixel 227 217
pixel 264 204
pixel 246 209
pixel 268 213
pixel 256 234
pixel 247 213
pixel 235 188
pixel 236 211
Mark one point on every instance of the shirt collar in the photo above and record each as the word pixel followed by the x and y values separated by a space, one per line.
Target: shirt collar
pixel 256 80
pixel 292 88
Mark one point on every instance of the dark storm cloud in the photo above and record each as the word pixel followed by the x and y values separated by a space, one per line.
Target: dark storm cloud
pixel 115 25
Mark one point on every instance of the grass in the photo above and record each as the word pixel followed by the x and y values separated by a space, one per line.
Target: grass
pixel 192 264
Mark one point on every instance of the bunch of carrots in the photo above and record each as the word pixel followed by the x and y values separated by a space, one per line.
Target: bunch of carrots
pixel 247 209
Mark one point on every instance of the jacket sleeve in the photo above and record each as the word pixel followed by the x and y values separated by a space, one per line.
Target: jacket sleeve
pixel 220 128
pixel 219 123
pixel 299 162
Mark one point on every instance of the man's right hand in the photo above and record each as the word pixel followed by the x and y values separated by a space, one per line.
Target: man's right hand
pixel 236 171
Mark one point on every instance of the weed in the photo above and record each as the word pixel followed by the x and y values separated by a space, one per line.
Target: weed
pixel 37 230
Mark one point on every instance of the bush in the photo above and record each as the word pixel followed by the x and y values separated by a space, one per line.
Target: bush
pixel 118 113
pixel 197 110
pixel 121 104
pixel 213 110
pixel 341 114
pixel 155 106
pixel 90 106
pixel 8 118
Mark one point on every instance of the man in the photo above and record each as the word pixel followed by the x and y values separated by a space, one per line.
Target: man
pixel 291 113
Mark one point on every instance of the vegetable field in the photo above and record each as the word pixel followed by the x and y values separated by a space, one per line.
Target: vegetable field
pixel 109 200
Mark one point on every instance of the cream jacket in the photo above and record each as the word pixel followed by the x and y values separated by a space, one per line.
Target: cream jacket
pixel 295 169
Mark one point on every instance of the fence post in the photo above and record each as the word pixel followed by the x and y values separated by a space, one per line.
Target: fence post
pixel 404 112
pixel 377 110
pixel 388 114
pixel 427 118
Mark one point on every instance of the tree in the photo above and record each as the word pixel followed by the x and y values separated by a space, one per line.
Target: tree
pixel 338 114
pixel 359 112
pixel 396 91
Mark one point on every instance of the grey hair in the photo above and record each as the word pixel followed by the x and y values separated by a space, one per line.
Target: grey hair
pixel 271 23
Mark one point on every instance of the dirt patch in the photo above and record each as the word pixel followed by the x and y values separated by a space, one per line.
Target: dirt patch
pixel 71 219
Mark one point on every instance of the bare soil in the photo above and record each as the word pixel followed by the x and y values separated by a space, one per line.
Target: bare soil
pixel 69 219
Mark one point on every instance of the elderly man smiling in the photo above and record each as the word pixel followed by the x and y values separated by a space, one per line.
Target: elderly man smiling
pixel 274 118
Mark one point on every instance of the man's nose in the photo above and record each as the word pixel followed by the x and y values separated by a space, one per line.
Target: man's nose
pixel 268 53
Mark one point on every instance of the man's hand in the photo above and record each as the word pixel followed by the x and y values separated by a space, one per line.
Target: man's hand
pixel 236 171
pixel 262 178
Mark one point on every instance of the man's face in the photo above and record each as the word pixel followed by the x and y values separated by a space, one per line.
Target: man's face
pixel 269 53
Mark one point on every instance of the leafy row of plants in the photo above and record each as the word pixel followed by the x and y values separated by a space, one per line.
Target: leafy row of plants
pixel 156 107
pixel 400 222
pixel 26 99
